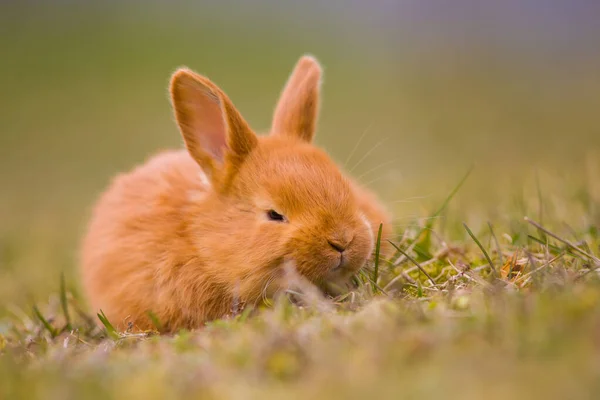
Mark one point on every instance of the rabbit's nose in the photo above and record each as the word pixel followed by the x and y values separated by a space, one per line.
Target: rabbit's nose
pixel 337 245
pixel 340 243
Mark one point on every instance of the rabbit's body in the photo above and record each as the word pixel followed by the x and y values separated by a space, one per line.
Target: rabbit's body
pixel 138 241
pixel 190 233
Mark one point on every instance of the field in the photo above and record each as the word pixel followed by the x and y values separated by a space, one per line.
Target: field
pixel 518 317
pixel 488 156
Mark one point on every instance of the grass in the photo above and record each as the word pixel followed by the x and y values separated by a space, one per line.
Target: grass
pixel 518 317
pixel 84 99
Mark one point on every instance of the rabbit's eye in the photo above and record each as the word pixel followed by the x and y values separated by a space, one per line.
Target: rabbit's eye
pixel 275 216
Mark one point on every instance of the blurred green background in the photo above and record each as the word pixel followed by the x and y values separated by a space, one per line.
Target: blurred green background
pixel 414 93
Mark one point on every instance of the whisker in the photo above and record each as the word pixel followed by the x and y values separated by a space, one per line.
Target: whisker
pixel 380 177
pixel 263 291
pixel 267 284
pixel 416 218
pixel 358 143
pixel 408 199
pixel 406 226
pixel 374 169
pixel 368 153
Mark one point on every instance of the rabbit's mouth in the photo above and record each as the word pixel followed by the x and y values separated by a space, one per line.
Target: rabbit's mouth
pixel 346 265
pixel 341 272
pixel 342 262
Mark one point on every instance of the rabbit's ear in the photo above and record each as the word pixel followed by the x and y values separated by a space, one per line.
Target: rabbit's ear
pixel 298 107
pixel 215 133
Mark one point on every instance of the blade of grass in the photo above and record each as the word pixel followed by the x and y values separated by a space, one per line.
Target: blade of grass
pixel 498 248
pixel 63 302
pixel 110 329
pixel 155 320
pixel 367 278
pixel 450 196
pixel 487 257
pixel 540 204
pixel 540 198
pixel 45 322
pixel 414 262
pixel 568 243
pixel 540 241
pixel 424 234
pixel 377 252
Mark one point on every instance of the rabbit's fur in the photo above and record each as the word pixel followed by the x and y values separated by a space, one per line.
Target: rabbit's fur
pixel 190 232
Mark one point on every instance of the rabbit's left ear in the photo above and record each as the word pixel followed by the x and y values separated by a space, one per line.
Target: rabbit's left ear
pixel 215 133
pixel 298 107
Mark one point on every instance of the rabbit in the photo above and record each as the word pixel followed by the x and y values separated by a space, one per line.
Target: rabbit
pixel 185 235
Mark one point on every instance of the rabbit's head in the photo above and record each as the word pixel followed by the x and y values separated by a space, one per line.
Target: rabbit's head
pixel 274 199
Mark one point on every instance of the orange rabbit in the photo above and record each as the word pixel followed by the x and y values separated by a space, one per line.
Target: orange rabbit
pixel 190 231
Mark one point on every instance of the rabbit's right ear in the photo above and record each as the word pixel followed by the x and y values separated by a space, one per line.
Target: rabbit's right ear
pixel 298 107
pixel 215 133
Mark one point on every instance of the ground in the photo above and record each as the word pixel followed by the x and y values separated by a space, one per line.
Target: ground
pixel 499 313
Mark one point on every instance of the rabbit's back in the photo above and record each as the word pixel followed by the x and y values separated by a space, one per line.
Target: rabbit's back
pixel 137 236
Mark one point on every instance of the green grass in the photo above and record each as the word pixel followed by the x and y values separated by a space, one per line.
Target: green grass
pixel 515 315
pixel 84 97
